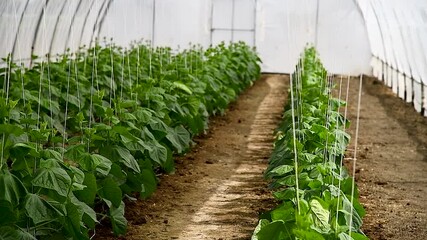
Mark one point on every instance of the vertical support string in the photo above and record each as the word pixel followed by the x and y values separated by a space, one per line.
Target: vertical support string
pixel 355 153
pixel 293 126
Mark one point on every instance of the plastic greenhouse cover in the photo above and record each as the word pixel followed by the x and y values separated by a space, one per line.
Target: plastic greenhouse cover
pixel 284 28
pixel 399 38
pixel 347 32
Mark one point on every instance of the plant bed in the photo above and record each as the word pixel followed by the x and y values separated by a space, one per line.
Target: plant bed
pixel 81 134
pixel 319 199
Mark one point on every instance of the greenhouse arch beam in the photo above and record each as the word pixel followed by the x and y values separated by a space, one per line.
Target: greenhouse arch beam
pixel 102 19
pixel 36 32
pixel 18 27
pixel 85 21
pixel 55 28
pixel 71 26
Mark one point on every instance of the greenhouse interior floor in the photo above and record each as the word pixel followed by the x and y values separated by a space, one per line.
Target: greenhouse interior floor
pixel 392 163
pixel 218 190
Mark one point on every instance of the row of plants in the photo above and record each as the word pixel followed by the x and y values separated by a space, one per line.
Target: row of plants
pixel 81 134
pixel 318 198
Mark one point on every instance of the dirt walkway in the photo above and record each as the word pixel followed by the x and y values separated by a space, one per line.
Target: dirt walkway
pixel 392 163
pixel 217 191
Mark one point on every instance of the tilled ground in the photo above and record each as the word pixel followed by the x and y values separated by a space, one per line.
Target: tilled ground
pixel 392 163
pixel 218 190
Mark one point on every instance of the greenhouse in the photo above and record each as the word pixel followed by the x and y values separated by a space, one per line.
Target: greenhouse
pixel 213 119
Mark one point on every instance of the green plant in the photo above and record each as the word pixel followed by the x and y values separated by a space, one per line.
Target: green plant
pixel 306 169
pixel 82 134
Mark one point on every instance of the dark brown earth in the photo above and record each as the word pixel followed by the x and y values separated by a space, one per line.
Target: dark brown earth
pixel 217 190
pixel 392 163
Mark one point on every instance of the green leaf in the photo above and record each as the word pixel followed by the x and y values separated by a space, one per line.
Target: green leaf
pixel 110 190
pixel 53 178
pixel 308 234
pixel 179 137
pixel 127 159
pixel 50 153
pixel 321 213
pixel 358 236
pixel 8 215
pixel 280 170
pixel 36 209
pixel 11 129
pixel 344 236
pixel 260 225
pixel 285 212
pixel 88 194
pixel 158 153
pixel 286 194
pixel 20 150
pixel 89 215
pixel 275 230
pixel 104 166
pixel 183 87
pixel 118 219
pixel 75 152
pixel 149 182
pixel 11 188
pixel 73 226
pixel 9 233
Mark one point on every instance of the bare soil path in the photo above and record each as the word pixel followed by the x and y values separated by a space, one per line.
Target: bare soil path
pixel 392 163
pixel 218 190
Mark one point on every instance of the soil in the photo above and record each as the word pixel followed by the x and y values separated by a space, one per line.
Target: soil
pixel 217 190
pixel 391 162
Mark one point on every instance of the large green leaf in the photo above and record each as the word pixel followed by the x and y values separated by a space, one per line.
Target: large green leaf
pixel 11 188
pixel 179 137
pixel 104 165
pixel 88 194
pixel 308 234
pixel 8 214
pixel 260 225
pixel 54 178
pixel 9 233
pixel 280 170
pixel 183 87
pixel 285 212
pixel 274 231
pixel 118 219
pixel 127 159
pixel 110 190
pixel 20 150
pixel 38 209
pixel 73 226
pixel 321 213
pixel 11 129
pixel 89 215
pixel 158 153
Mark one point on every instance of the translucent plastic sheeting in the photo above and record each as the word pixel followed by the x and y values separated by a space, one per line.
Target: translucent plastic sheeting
pixel 28 26
pixel 346 32
pixel 128 21
pixel 11 14
pixel 285 27
pixel 233 20
pixel 178 23
pixel 342 39
pixel 64 29
pixel 46 28
pixel 277 42
pixel 93 20
pixel 397 31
